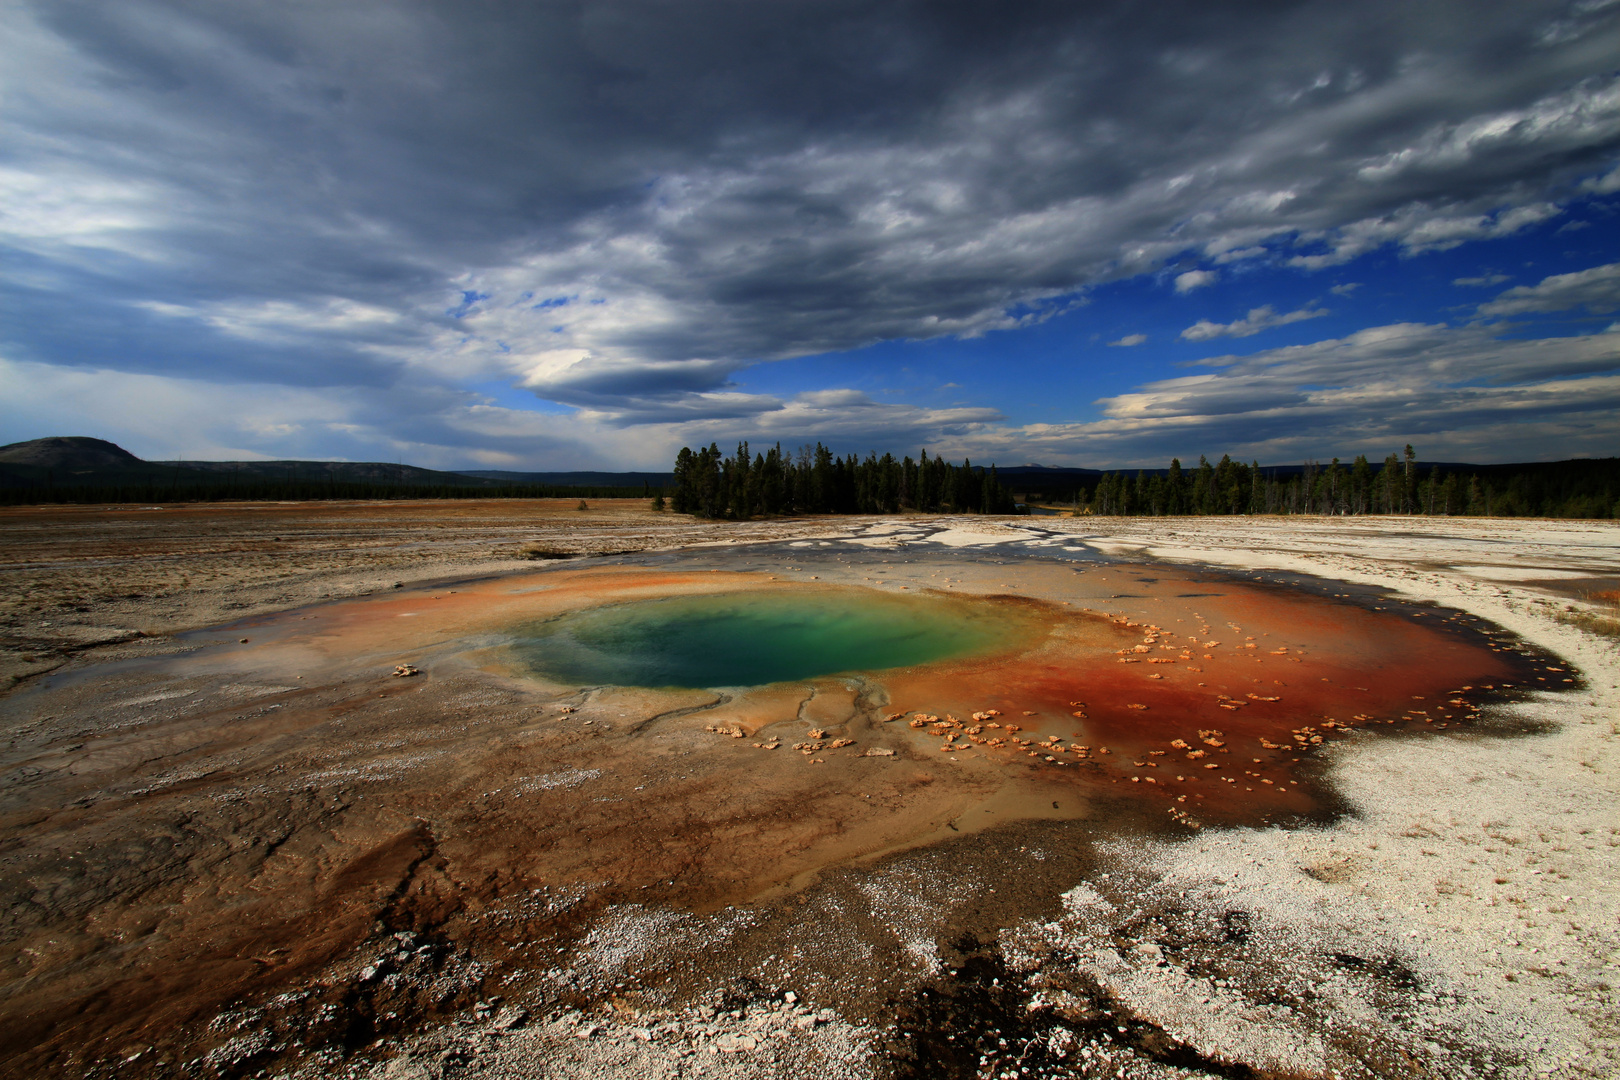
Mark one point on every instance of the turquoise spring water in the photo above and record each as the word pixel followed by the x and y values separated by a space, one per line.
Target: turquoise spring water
pixel 752 639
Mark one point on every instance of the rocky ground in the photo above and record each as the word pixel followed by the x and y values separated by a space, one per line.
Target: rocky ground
pixel 1460 919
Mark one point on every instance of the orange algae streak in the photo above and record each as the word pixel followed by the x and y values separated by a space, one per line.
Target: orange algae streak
pixel 1212 706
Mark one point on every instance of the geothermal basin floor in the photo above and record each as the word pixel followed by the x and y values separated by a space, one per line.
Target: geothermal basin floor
pixel 225 857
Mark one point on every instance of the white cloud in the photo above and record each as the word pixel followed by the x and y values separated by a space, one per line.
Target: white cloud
pixel 159 417
pixel 1597 289
pixel 848 419
pixel 1345 289
pixel 283 321
pixel 1196 279
pixel 1383 380
pixel 1482 281
pixel 1258 319
pixel 1130 339
pixel 1459 393
pixel 1607 184
pixel 1418 228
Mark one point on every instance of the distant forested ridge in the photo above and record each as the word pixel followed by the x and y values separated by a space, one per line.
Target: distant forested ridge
pixel 709 484
pixel 78 469
pixel 1581 488
pixel 178 487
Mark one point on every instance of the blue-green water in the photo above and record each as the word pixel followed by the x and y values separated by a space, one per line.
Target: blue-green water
pixel 751 639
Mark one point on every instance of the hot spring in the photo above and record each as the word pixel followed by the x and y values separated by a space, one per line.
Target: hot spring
pixel 752 639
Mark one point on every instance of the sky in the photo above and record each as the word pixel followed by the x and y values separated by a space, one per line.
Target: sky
pixel 546 236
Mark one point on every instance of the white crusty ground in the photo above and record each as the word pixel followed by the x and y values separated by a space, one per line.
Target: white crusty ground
pixel 1487 865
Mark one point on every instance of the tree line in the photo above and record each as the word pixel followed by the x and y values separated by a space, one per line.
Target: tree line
pixel 1569 489
pixel 747 484
pixel 813 480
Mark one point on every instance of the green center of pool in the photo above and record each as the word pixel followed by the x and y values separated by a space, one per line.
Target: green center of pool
pixel 751 639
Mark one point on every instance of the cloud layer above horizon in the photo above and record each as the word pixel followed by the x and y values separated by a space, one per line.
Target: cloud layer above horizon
pixel 581 234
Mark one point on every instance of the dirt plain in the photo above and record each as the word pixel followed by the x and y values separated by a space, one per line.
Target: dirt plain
pixel 229 857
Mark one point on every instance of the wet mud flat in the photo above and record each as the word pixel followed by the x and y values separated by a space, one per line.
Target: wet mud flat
pixel 276 852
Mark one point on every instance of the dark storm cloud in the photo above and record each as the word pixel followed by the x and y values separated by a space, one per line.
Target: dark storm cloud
pixel 341 193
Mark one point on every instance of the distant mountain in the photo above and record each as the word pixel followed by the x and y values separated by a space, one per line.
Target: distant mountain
pixel 351 472
pixel 71 461
pixel 69 453
pixel 577 479
pixel 79 467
